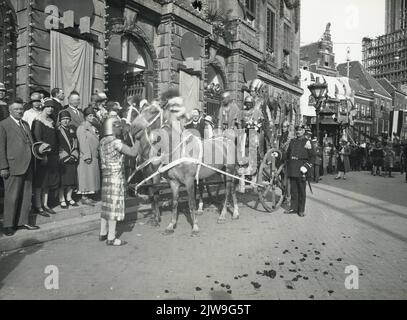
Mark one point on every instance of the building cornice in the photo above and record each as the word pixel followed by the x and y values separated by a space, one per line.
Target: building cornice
pixel 280 83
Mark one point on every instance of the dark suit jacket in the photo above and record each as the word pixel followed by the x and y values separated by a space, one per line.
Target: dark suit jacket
pixel 57 109
pixel 15 148
pixel 77 119
pixel 298 156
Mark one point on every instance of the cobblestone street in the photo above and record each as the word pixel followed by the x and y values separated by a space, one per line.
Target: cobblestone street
pixel 359 222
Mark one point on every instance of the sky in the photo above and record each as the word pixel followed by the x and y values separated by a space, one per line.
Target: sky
pixel 351 20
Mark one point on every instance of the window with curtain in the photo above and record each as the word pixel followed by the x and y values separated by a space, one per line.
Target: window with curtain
pixel 363 111
pixel 271 18
pixel 287 45
pixel 368 131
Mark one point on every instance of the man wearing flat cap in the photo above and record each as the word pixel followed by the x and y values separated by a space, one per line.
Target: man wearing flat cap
pixel 3 105
pixel 16 169
pixel 299 164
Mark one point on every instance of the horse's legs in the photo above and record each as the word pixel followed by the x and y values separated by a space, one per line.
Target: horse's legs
pixel 175 198
pixel 192 204
pixel 222 217
pixel 234 197
pixel 200 198
pixel 155 207
pixel 155 204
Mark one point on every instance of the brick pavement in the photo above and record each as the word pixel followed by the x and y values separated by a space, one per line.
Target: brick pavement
pixel 361 222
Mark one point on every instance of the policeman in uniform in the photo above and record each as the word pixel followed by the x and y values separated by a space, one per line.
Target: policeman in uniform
pixel 3 105
pixel 299 158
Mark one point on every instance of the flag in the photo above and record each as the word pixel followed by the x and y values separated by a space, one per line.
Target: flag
pixel 396 123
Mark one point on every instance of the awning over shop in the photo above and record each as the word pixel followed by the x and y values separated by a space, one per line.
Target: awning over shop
pixel 328 121
pixel 338 88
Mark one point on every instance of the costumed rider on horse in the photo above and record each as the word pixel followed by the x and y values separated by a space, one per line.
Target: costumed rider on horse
pixel 262 103
pixel 251 122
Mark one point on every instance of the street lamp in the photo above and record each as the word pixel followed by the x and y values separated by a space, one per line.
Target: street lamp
pixel 318 92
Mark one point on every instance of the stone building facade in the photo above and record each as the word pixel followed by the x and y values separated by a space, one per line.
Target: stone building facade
pixel 144 47
pixel 25 40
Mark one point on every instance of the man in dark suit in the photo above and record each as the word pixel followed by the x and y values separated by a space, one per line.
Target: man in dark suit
pixel 299 158
pixel 58 97
pixel 16 169
pixel 74 100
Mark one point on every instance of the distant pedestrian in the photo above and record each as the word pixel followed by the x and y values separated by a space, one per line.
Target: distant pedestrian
pixel 389 158
pixel 326 158
pixel 377 154
pixel 112 152
pixel 317 160
pixel 68 160
pixel 16 169
pixel 88 169
pixel 299 159
pixel 334 159
pixel 343 160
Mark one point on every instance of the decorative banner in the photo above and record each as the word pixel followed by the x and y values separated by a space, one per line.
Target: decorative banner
pixel 70 67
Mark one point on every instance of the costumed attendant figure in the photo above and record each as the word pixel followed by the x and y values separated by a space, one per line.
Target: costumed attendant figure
pixel 112 153
pixel 251 121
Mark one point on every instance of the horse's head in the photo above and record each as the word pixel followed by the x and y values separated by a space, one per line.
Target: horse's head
pixel 149 118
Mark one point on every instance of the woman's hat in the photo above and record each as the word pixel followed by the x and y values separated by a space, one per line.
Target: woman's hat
pixel 101 96
pixel 112 105
pixel 2 87
pixel 88 111
pixel 35 97
pixel 64 114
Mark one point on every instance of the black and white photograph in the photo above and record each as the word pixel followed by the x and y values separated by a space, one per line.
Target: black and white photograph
pixel 222 151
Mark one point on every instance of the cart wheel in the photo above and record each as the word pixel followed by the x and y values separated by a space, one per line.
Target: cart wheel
pixel 273 194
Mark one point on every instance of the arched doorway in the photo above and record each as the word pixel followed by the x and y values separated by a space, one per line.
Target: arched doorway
pixel 8 44
pixel 130 68
pixel 213 91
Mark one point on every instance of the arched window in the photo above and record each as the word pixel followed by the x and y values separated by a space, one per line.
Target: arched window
pixel 8 41
pixel 214 89
pixel 130 68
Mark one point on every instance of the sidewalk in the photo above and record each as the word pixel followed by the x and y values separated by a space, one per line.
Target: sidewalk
pixel 73 221
pixel 65 223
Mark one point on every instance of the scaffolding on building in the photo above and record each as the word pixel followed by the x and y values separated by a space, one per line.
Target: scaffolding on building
pixel 386 57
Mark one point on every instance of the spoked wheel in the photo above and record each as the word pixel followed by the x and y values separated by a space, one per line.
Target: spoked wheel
pixel 273 194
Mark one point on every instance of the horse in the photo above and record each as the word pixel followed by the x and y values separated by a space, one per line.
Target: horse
pixel 155 122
